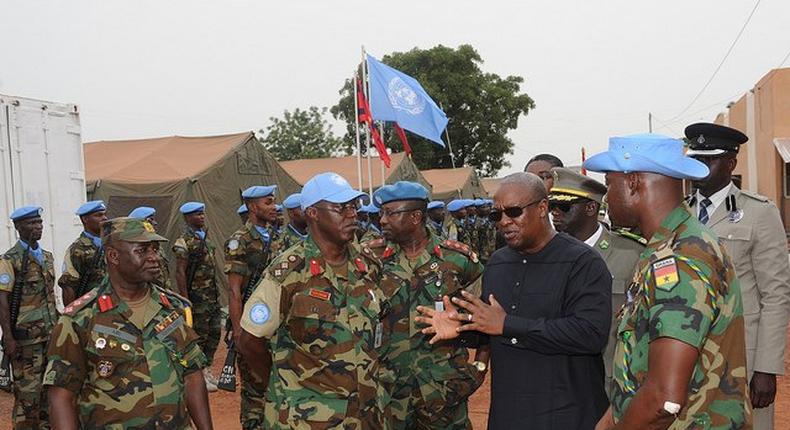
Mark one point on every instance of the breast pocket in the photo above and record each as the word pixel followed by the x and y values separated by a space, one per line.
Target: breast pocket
pixel 737 242
pixel 109 361
pixel 312 324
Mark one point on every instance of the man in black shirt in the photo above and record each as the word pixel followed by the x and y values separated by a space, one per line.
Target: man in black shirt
pixel 546 311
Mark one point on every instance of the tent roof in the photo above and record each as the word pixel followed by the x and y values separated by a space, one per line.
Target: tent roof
pixel 163 159
pixel 491 185
pixel 303 170
pixel 448 180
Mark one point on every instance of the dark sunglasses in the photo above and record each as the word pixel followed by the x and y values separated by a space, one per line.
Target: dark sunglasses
pixel 511 212
pixel 566 206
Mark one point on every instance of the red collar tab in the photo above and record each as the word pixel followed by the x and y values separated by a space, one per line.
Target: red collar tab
pixel 315 268
pixel 105 303
pixel 361 267
pixel 387 252
pixel 438 251
pixel 165 300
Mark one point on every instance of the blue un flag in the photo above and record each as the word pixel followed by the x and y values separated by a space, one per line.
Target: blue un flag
pixel 396 96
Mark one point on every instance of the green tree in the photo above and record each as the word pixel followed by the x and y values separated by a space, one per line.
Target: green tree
pixel 301 134
pixel 482 108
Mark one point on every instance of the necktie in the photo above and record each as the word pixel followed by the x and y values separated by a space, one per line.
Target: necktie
pixel 703 210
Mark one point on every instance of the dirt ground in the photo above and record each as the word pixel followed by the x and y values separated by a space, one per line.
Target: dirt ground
pixel 225 406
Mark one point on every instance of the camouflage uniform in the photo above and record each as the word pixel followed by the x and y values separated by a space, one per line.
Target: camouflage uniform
pixel 203 292
pixel 247 255
pixel 685 288
pixel 123 377
pixel 473 233
pixel 37 316
pixel 325 333
pixel 486 238
pixel 164 271
pixel 437 229
pixel 83 258
pixel 432 382
pixel 367 232
pixel 457 231
pixel 288 238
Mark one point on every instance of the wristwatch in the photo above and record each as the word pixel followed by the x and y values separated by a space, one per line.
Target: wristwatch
pixel 480 366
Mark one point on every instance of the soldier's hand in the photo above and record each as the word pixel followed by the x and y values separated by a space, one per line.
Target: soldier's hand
pixel 762 389
pixel 10 347
pixel 482 317
pixel 441 323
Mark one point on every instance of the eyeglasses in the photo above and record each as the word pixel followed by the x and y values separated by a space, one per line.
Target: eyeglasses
pixel 388 213
pixel 511 212
pixel 346 208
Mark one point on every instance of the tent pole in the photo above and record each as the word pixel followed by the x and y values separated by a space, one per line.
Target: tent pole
pixel 356 135
pixel 447 134
pixel 367 129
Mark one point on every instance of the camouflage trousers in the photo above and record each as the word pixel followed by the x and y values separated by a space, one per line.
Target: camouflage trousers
pixel 428 403
pixel 253 396
pixel 30 399
pixel 207 322
pixel 324 414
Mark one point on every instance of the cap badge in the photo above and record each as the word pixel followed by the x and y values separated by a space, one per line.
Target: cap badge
pixel 701 139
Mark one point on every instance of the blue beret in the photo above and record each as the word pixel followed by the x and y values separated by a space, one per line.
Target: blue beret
pixel 435 204
pixel 278 208
pixel 26 212
pixel 242 209
pixel 142 212
pixel 401 190
pixel 258 191
pixel 652 153
pixel 91 207
pixel 328 186
pixel 192 207
pixel 293 201
pixel 456 205
pixel 480 202
pixel 369 209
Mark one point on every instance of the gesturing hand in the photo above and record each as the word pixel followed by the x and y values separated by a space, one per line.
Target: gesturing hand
pixel 441 323
pixel 482 317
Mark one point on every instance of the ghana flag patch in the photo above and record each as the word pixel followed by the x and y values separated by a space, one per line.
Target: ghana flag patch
pixel 665 272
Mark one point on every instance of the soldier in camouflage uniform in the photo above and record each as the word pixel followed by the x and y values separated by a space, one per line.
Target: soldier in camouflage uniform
pixel 456 230
pixel 296 230
pixel 27 279
pixel 436 219
pixel 83 265
pixel 684 307
pixel 148 214
pixel 196 277
pixel 248 252
pixel 367 229
pixel 124 355
pixel 320 307
pixel 472 226
pixel 487 231
pixel 432 382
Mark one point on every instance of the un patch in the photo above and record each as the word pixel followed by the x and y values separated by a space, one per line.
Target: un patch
pixel 259 313
pixel 5 279
pixel 233 245
pixel 665 273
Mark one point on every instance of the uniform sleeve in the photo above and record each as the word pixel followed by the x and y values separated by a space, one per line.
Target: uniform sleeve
pixel 71 270
pixel 180 249
pixel 235 258
pixel 262 312
pixel 6 275
pixel 474 278
pixel 772 273
pixel 193 357
pixel 66 367
pixel 681 311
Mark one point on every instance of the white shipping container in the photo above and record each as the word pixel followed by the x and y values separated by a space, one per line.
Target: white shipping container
pixel 41 163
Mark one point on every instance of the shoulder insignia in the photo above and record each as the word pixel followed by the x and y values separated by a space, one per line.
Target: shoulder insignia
pixel 458 246
pixel 665 273
pixel 171 298
pixel 627 234
pixel 233 244
pixel 755 196
pixel 285 264
pixel 181 243
pixel 105 303
pixel 604 244
pixel 81 302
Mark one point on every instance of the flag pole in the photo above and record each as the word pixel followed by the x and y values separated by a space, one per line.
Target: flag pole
pixel 447 134
pixel 381 161
pixel 367 129
pixel 356 135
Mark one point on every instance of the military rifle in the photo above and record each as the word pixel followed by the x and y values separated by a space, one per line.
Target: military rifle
pixel 85 278
pixel 227 379
pixel 193 262
pixel 13 315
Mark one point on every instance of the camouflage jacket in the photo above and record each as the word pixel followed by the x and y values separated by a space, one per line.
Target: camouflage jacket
pixel 200 252
pixel 83 258
pixel 123 377
pixel 437 229
pixel 325 334
pixel 164 271
pixel 444 267
pixel 457 231
pixel 486 238
pixel 37 310
pixel 685 288
pixel 366 233
pixel 246 253
pixel 472 229
pixel 288 238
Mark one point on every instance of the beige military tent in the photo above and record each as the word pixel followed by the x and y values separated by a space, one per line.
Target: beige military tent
pixel 458 183
pixel 401 169
pixel 491 185
pixel 166 172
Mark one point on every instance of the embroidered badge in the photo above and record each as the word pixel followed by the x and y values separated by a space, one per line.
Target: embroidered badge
pixel 604 244
pixel 665 273
pixel 105 368
pixel 233 244
pixel 320 295
pixel 315 268
pixel 259 313
pixel 5 278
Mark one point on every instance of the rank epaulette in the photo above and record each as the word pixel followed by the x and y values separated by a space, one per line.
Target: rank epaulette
pixel 105 303
pixel 81 302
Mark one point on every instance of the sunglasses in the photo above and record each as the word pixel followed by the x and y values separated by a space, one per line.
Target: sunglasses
pixel 512 212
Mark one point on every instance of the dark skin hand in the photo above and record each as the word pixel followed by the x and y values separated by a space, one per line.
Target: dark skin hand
pixel 62 413
pixel 197 400
pixel 181 276
pixel 9 343
pixel 251 346
pixel 762 389
pixel 667 382
pixel 447 324
pixel 234 304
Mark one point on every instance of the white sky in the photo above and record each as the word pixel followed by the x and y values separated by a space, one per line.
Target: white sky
pixel 594 68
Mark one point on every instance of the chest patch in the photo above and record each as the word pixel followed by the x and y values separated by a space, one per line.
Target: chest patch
pixel 665 273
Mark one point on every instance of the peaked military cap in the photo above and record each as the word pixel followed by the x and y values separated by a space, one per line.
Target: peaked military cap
pixel 705 138
pixel 129 229
pixel 570 186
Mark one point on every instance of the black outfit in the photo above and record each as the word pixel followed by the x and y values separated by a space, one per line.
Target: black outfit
pixel 547 370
